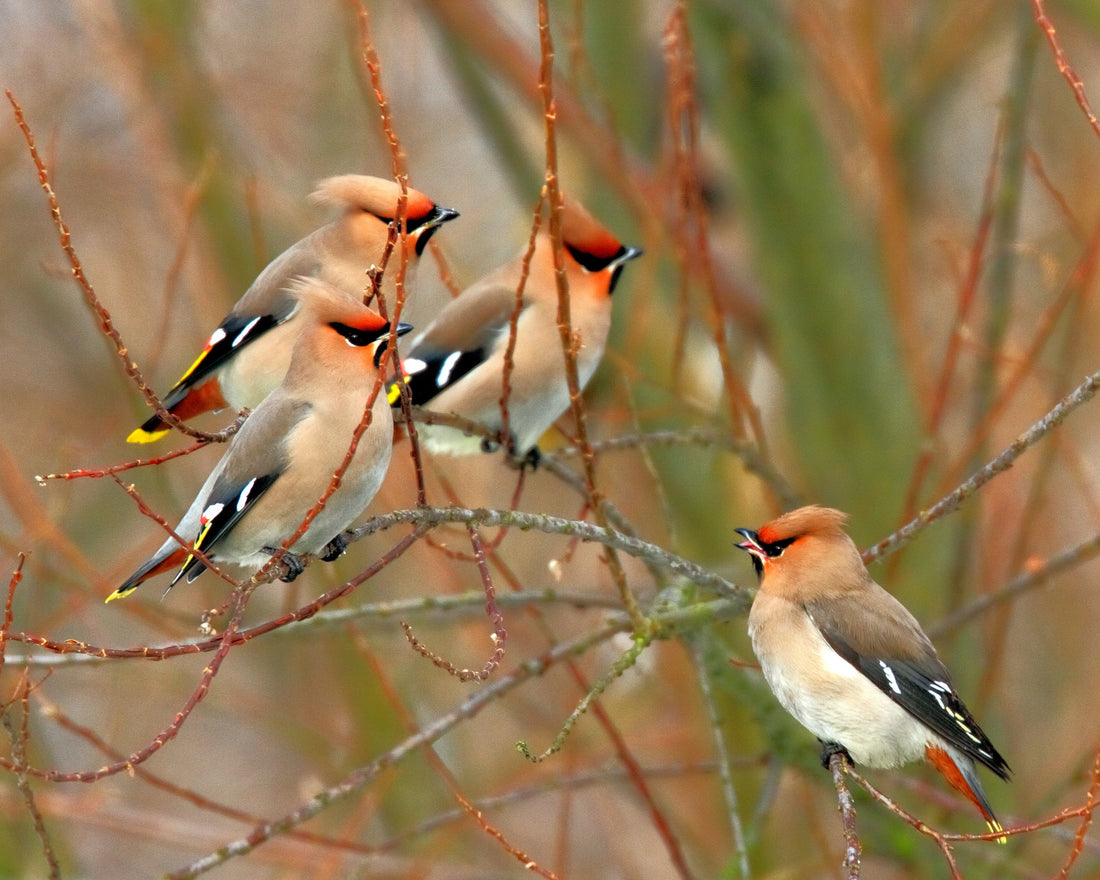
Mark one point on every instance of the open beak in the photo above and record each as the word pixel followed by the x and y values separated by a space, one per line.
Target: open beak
pixel 751 544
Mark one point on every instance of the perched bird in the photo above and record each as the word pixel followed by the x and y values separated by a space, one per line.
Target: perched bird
pixel 247 355
pixel 457 364
pixel 285 455
pixel 849 661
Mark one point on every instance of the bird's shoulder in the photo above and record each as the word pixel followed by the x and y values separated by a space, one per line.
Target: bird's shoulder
pixel 267 295
pixel 473 319
pixel 872 623
pixel 261 447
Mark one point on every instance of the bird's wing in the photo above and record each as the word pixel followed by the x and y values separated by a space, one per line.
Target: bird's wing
pixel 235 332
pixel 223 509
pixel 895 654
pixel 461 338
pixel 256 459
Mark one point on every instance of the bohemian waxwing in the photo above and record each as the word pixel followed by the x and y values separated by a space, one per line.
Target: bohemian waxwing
pixel 849 661
pixel 285 455
pixel 246 357
pixel 457 364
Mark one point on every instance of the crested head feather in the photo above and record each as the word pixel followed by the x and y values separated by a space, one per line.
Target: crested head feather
pixel 810 520
pixel 327 303
pixel 582 231
pixel 375 195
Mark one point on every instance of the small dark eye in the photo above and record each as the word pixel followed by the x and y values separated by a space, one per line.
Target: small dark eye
pixel 591 262
pixel 354 335
pixel 776 548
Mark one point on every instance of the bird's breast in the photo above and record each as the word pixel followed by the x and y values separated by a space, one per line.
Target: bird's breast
pixel 825 693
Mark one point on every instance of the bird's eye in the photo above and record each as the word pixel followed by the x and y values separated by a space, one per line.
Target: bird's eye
pixel 592 262
pixel 775 549
pixel 354 335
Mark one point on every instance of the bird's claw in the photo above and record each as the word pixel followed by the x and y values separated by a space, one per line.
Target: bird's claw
pixel 828 749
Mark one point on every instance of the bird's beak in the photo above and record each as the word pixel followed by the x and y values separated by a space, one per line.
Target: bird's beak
pixel 751 544
pixel 625 255
pixel 384 340
pixel 435 218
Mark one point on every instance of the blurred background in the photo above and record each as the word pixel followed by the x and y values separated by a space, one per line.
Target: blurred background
pixel 871 238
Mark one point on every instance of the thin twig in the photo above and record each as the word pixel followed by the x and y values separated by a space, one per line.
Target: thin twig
pixel 1029 580
pixel 90 297
pixel 853 847
pixel 19 740
pixel 359 778
pixel 557 525
pixel 1064 67
pixel 999 464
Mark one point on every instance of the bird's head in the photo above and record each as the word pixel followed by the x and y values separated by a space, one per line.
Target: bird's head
pixel 371 203
pixel 804 547
pixel 337 321
pixel 591 246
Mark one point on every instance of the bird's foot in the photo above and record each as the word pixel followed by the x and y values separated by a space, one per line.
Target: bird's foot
pixel 335 548
pixel 828 749
pixel 289 567
pixel 521 462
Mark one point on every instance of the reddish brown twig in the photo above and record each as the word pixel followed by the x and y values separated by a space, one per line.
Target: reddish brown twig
pixel 965 299
pixel 1086 819
pixel 73 646
pixel 146 510
pixel 54 713
pixel 693 242
pixel 1064 67
pixel 19 739
pixel 90 297
pixel 168 733
pixel 13 582
pixel 513 325
pixel 524 859
pixel 498 637
pixel 111 470
pixel 569 340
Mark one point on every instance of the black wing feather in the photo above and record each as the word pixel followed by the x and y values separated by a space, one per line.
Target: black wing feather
pixel 932 700
pixel 441 371
pixel 235 502
pixel 238 331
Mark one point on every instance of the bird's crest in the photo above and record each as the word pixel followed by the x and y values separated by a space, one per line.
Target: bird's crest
pixel 376 195
pixel 809 520
pixel 583 232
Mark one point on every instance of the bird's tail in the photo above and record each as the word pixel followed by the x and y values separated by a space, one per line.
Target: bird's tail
pixel 184 402
pixel 962 775
pixel 154 566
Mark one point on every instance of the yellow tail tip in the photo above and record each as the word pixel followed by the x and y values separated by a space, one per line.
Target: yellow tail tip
pixel 119 594
pixel 996 827
pixel 140 435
